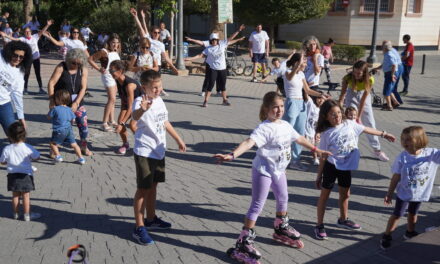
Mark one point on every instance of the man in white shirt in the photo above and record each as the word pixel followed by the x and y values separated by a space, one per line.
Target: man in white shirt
pixel 259 49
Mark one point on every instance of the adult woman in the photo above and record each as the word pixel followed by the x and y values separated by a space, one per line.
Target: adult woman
pixel 71 75
pixel 128 89
pixel 295 107
pixel 392 67
pixel 32 41
pixel 15 60
pixel 143 59
pixel 356 88
pixel 215 57
pixel 75 41
pixel 315 61
pixel 33 24
pixel 106 56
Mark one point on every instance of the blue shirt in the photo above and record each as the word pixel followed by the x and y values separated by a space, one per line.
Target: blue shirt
pixel 62 117
pixel 391 58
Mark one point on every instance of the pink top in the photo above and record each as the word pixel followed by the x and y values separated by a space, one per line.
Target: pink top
pixel 326 51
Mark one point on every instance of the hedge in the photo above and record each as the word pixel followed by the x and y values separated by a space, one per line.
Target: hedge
pixel 344 53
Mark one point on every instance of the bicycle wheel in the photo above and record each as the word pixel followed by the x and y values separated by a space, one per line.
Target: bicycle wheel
pixel 239 67
pixel 248 70
pixel 268 70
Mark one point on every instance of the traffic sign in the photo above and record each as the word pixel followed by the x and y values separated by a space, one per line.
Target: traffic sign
pixel 225 11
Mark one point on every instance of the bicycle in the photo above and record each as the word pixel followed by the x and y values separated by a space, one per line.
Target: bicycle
pixel 235 64
pixel 249 69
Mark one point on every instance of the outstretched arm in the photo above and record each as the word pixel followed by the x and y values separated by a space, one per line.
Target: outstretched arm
pixel 242 148
pixel 53 40
pixel 49 23
pixel 242 27
pixel 133 12
pixel 144 23
pixel 199 56
pixel 4 35
pixel 195 41
pixel 383 134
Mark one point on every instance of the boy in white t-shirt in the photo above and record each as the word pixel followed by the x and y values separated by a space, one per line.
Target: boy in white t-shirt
pixel 259 49
pixel 149 153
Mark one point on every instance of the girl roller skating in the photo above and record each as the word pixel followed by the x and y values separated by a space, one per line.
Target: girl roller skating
pixel 273 138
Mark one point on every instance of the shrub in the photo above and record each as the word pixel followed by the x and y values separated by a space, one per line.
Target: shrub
pixel 294 45
pixel 348 53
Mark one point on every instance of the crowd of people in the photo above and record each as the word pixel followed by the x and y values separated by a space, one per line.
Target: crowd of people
pixel 298 114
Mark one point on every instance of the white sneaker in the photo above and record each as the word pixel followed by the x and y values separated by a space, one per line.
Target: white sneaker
pixel 202 94
pixel 34 169
pixel 316 161
pixel 15 216
pixel 31 216
pixel 381 155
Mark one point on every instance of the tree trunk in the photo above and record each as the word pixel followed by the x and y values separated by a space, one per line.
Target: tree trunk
pixel 272 37
pixel 145 5
pixel 214 25
pixel 28 5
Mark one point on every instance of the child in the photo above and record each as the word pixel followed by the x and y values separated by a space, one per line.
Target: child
pixel 149 153
pixel 328 57
pixel 62 117
pixel 340 137
pixel 278 70
pixel 413 176
pixel 312 105
pixel 18 156
pixel 62 51
pixel 351 113
pixel 273 137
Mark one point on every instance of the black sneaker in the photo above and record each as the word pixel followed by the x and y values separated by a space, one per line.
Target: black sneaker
pixel 409 235
pixel 385 242
pixel 320 233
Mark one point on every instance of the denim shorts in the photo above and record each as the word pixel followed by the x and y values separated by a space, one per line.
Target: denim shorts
pixel 259 57
pixel 63 135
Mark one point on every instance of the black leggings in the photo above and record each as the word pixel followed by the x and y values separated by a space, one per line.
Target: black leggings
pixel 206 80
pixel 36 64
pixel 217 77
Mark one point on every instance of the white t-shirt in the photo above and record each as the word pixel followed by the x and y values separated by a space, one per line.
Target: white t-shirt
pixel 294 87
pixel 11 86
pixel 142 60
pixel 417 174
pixel 215 55
pixel 33 43
pixel 19 157
pixel 157 47
pixel 150 136
pixel 273 140
pixel 279 71
pixel 206 43
pixel 164 34
pixel 85 31
pixel 342 142
pixel 311 77
pixel 74 44
pixel 312 118
pixel 259 41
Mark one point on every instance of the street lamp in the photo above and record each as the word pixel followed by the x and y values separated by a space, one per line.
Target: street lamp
pixel 372 58
pixel 180 61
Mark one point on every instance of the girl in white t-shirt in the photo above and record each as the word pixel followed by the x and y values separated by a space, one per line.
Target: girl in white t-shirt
pixel 414 173
pixel 143 59
pixel 312 106
pixel 18 156
pixel 74 41
pixel 273 138
pixel 340 137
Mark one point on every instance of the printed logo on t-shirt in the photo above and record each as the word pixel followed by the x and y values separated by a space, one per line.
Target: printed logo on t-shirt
pixel 160 124
pixel 5 79
pixel 345 144
pixel 284 150
pixel 418 174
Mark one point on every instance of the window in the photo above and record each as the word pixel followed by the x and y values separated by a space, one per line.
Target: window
pixel 414 7
pixel 368 7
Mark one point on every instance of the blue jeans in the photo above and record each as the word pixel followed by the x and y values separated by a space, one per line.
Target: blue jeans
pixel 295 113
pixel 7 116
pixel 405 77
pixel 391 87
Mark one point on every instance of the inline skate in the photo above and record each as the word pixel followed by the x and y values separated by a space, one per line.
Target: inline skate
pixel 245 251
pixel 285 233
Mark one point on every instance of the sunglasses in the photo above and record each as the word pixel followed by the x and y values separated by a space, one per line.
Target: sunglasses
pixel 156 32
pixel 75 32
pixel 74 63
pixel 111 71
pixel 145 47
pixel 16 56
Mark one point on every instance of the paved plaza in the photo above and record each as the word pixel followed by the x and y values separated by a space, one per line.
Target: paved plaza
pixel 92 204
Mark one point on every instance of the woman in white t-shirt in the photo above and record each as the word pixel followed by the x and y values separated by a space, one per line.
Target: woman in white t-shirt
pixel 215 58
pixel 143 59
pixel 273 138
pixel 315 61
pixel 106 56
pixel 32 41
pixel 15 59
pixel 340 137
pixel 296 112
pixel 74 41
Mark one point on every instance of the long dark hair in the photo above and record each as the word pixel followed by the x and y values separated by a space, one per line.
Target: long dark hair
pixel 120 65
pixel 11 47
pixel 80 35
pixel 363 66
pixel 268 99
pixel 323 123
pixel 112 37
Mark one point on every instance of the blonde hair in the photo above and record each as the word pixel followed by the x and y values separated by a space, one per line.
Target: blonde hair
pixel 268 99
pixel 418 136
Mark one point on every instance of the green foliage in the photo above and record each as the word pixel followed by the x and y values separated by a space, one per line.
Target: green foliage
pixel 348 53
pixel 275 12
pixel 294 45
pixel 196 7
pixel 16 15
pixel 114 18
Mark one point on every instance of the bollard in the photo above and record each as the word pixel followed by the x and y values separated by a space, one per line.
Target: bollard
pixel 423 64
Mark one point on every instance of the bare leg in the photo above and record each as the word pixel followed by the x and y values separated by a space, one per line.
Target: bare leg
pixel 15 201
pixel 344 194
pixel 138 206
pixel 150 202
pixel 26 202
pixel 109 110
pixel 54 149
pixel 254 70
pixel 392 224
pixel 249 223
pixel 76 149
pixel 325 193
pixel 412 220
pixel 207 95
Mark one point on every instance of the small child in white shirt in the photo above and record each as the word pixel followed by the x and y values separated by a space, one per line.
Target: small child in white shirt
pixel 312 107
pixel 18 156
pixel 351 113
pixel 414 172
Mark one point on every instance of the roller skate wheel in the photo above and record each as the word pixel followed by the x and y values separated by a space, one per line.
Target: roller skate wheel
pixel 230 251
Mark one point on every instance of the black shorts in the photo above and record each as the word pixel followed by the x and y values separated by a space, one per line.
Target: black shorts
pixel 259 57
pixel 148 171
pixel 217 77
pixel 330 174
pixel 401 206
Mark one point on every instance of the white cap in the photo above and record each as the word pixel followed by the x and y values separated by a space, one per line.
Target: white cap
pixel 213 36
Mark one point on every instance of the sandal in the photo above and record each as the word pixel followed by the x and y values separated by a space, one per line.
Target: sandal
pixel 387 108
pixel 106 128
pixel 85 150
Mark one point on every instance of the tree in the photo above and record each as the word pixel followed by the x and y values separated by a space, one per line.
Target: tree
pixel 274 12
pixel 28 5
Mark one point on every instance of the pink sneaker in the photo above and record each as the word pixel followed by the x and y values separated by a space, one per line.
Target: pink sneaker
pixel 381 155
pixel 123 149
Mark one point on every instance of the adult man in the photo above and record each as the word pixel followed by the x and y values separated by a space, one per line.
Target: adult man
pixel 4 21
pixel 407 60
pixel 259 49
pixel 165 36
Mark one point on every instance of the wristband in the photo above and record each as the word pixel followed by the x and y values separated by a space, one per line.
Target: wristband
pixel 122 124
pixel 313 149
pixel 383 134
pixel 232 154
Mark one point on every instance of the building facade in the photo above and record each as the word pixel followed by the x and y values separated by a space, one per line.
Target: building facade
pixel 353 23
